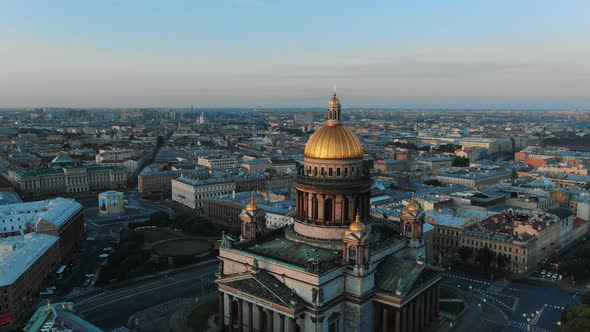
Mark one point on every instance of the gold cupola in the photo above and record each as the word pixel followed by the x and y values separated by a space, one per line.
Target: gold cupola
pixel 357 225
pixel 412 206
pixel 252 205
pixel 333 140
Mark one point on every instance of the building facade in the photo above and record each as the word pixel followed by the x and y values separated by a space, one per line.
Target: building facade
pixel 335 268
pixel 192 193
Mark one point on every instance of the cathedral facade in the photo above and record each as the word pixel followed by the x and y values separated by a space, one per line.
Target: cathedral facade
pixel 336 268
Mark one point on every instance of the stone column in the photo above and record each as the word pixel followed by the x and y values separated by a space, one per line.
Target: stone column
pixel 271 325
pixel 260 318
pixel 314 207
pixel 437 300
pixel 398 323
pixel 231 312
pixel 385 319
pixel 240 316
pixel 342 206
pixel 282 323
pixel 333 221
pixel 410 325
pixel 221 312
pixel 428 305
pixel 405 319
pixel 422 307
pixel 417 313
pixel 292 324
pixel 250 317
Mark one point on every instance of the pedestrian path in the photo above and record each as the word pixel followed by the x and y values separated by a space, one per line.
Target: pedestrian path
pixel 524 326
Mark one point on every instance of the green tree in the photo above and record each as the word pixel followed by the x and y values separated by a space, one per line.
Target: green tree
pixel 465 252
pixel 460 162
pixel 485 256
pixel 502 261
pixel 433 182
pixel 159 219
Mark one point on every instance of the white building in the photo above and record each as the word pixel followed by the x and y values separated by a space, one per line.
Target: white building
pixel 192 193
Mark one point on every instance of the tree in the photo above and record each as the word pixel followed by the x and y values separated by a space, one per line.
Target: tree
pixel 465 252
pixel 502 260
pixel 460 162
pixel 433 182
pixel 448 148
pixel 159 218
pixel 485 256
pixel 424 148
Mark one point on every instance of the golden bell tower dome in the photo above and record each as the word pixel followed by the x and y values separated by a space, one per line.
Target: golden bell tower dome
pixel 333 140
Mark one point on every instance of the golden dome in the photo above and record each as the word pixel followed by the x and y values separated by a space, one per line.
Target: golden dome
pixel 334 102
pixel 357 225
pixel 412 206
pixel 252 205
pixel 334 142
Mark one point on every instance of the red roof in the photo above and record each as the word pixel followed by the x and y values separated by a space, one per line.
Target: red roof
pixel 579 222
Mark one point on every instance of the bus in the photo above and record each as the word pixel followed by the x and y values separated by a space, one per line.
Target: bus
pixel 60 272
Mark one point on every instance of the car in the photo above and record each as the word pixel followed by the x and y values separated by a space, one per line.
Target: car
pixel 52 288
pixel 107 249
pixel 103 255
pixel 90 238
pixel 46 292
pixel 89 275
pixel 543 272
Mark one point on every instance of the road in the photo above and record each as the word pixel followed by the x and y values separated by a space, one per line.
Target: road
pixel 518 306
pixel 112 307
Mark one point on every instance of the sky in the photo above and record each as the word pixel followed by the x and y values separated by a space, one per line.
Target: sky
pixel 246 53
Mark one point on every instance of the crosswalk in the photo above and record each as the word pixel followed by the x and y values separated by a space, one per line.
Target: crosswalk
pixel 525 326
pixel 121 329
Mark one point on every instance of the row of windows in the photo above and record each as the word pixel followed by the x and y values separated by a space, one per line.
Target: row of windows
pixel 330 171
pixel 494 246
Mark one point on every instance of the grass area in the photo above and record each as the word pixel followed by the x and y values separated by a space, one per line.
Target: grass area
pixel 152 235
pixel 201 313
pixel 181 247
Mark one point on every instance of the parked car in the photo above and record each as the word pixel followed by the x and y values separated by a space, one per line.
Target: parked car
pixel 46 292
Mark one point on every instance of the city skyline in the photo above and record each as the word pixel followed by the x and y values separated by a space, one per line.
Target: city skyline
pixel 261 53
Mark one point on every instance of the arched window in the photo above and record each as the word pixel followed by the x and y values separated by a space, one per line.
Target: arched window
pixel 352 255
pixel 328 210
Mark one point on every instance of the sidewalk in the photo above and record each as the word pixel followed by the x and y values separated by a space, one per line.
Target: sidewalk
pixel 168 316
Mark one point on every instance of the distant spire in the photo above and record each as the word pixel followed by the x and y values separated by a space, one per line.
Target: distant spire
pixel 334 90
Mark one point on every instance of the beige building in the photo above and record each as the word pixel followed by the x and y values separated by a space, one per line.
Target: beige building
pixel 219 162
pixel 72 180
pixel 192 193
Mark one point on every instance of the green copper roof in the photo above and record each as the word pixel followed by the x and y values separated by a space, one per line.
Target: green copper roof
pixel 38 171
pixel 314 259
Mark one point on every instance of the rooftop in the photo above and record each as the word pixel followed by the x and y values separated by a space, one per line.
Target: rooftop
pixel 20 216
pixel 19 253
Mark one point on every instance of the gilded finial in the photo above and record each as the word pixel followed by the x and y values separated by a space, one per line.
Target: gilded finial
pixel 334 90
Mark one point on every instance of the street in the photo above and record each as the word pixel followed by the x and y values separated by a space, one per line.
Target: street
pixel 112 307
pixel 509 306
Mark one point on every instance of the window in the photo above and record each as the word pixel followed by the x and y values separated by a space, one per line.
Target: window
pixel 333 326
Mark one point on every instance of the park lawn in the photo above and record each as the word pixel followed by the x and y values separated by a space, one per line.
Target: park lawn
pixel 201 313
pixel 181 247
pixel 152 235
